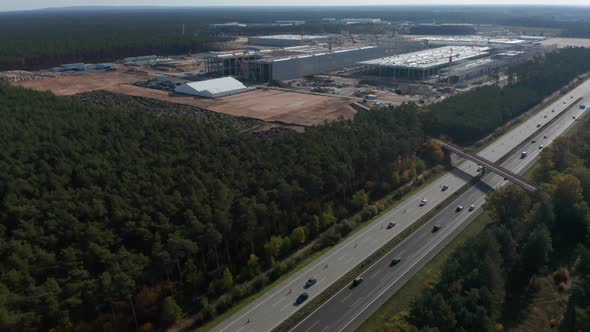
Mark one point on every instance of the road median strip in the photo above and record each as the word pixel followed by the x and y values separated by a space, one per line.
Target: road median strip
pixel 317 301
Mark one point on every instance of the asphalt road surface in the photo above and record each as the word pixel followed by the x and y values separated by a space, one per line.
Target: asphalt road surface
pixel 278 304
pixel 349 308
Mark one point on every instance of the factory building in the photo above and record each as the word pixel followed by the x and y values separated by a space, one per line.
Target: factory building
pixel 470 70
pixel 214 88
pixel 288 63
pixel 286 40
pixel 473 41
pixel 423 64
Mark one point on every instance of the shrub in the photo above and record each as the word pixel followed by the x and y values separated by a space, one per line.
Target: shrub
pixel 170 312
pixel 561 275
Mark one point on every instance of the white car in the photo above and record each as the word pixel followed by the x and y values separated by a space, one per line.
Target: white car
pixel 459 208
pixel 471 207
pixel 540 146
pixel 423 202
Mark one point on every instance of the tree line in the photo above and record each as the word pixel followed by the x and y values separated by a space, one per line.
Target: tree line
pixel 115 217
pixel 106 213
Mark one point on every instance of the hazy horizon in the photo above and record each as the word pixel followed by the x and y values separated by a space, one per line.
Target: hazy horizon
pixel 42 4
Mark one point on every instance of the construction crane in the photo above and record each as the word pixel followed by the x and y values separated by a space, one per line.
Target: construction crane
pixel 450 66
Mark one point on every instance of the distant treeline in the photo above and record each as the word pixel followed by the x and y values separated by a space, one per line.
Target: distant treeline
pixel 41 39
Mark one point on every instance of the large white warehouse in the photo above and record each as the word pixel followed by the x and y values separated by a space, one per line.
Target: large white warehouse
pixel 214 88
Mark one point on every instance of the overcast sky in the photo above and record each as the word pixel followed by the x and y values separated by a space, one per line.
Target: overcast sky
pixel 9 5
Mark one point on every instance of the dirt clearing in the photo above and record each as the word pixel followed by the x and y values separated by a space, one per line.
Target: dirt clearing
pixel 268 105
pixel 73 83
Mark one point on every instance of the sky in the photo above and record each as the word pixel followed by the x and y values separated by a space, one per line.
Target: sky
pixel 10 5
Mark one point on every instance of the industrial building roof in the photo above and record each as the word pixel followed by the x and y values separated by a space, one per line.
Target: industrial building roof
pixel 292 37
pixel 217 85
pixel 310 53
pixel 430 58
pixel 287 53
pixel 479 40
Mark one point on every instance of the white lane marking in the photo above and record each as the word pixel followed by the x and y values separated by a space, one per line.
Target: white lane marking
pixel 349 260
pixel 279 301
pixel 376 273
pixel 285 307
pixel 320 281
pixel 346 298
pixel 353 303
pixel 311 327
pixel 341 258
pixel 324 329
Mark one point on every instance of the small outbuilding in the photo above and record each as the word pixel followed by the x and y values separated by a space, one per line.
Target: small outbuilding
pixel 214 88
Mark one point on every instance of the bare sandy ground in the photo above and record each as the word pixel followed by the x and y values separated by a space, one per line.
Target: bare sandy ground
pixel 83 82
pixel 268 105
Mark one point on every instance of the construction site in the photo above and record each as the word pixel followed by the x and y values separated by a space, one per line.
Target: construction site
pixel 301 80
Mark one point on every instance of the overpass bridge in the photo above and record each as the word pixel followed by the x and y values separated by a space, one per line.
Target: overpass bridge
pixel 486 164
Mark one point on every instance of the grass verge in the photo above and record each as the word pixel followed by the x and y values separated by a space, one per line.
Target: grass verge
pixel 427 276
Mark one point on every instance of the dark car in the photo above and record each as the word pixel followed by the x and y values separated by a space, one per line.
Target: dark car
pixel 435 228
pixel 395 261
pixel 445 187
pixel 301 298
pixel 459 208
pixel 390 225
pixel 310 282
pixel 357 281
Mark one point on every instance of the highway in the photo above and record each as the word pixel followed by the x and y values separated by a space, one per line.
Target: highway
pixel 349 308
pixel 276 305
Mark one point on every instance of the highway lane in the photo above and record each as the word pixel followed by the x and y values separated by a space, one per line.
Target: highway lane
pixel 276 305
pixel 347 309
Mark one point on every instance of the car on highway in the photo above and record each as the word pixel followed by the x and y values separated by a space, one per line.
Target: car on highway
pixel 471 207
pixel 573 117
pixel 445 187
pixel 301 298
pixel 459 208
pixel 523 154
pixel 538 125
pixel 395 261
pixel 423 202
pixel 435 228
pixel 540 146
pixel 390 225
pixel 479 168
pixel 545 116
pixel 534 141
pixel 552 111
pixel 310 282
pixel 357 281
pixel 545 137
